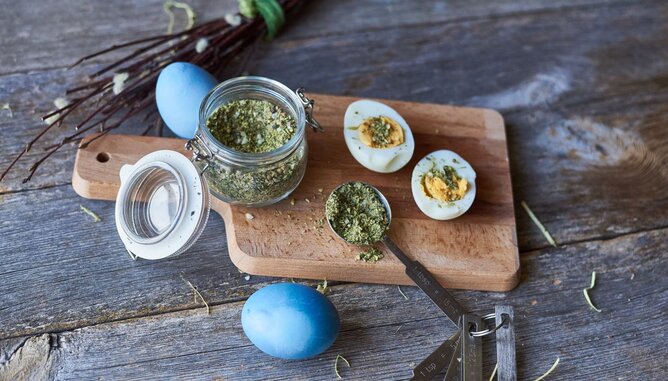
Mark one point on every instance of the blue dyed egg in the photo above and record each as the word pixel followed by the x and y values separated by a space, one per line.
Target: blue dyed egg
pixel 290 321
pixel 180 89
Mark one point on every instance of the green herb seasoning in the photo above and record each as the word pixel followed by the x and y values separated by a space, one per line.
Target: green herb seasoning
pixel 371 255
pixel 380 131
pixel 357 214
pixel 251 125
pixel 444 184
pixel 448 175
pixel 254 126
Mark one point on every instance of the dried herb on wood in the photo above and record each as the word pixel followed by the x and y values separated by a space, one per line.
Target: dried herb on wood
pixel 372 255
pixel 586 292
pixel 336 365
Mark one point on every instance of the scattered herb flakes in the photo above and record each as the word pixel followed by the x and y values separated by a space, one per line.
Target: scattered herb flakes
pixel 307 200
pixel 251 125
pixel 249 216
pixel 381 132
pixel 7 107
pixel 534 302
pixel 402 293
pixel 319 190
pixel 556 282
pixel 292 201
pixel 372 255
pixel 89 212
pixel 397 330
pixel 444 184
pixel 552 368
pixel 536 221
pixel 319 224
pixel 586 293
pixel 357 214
pixel 322 287
pixel 496 367
pixel 336 365
pixel 134 257
pixel 247 277
pixel 197 294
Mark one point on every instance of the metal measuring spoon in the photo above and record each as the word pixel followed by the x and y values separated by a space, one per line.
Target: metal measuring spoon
pixel 414 269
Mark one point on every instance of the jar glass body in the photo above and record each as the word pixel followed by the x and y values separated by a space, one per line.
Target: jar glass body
pixel 251 179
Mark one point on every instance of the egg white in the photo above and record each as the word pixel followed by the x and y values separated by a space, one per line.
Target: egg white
pixel 434 208
pixel 383 160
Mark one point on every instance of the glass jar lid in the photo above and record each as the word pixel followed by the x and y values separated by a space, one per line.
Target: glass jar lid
pixel 162 205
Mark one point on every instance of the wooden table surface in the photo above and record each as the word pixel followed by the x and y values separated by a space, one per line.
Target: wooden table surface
pixel 582 85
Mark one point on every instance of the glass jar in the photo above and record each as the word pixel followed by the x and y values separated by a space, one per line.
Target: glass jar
pixel 252 179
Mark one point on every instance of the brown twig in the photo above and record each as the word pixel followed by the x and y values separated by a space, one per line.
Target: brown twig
pixel 143 65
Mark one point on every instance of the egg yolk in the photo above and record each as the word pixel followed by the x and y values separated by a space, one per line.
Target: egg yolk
pixel 381 132
pixel 444 184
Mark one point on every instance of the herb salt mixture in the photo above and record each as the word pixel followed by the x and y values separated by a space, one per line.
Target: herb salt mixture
pixel 372 255
pixel 254 126
pixel 381 132
pixel 444 184
pixel 251 125
pixel 357 214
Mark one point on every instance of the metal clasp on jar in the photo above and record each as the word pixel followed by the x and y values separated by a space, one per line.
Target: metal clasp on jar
pixel 308 108
pixel 200 151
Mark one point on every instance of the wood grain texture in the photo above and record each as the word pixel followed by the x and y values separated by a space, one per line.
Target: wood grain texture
pixel 82 275
pixel 535 66
pixel 35 33
pixel 595 71
pixel 285 240
pixel 383 335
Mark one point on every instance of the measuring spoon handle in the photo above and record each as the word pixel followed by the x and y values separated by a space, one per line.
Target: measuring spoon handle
pixel 427 283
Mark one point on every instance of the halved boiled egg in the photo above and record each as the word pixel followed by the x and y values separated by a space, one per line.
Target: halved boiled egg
pixel 443 185
pixel 377 136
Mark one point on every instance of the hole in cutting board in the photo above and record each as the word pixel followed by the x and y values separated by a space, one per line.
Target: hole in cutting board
pixel 102 157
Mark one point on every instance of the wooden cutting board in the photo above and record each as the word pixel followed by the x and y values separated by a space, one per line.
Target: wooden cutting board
pixel 475 251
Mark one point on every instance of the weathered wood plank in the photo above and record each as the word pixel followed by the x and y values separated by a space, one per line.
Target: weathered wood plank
pixel 584 94
pixel 61 270
pixel 383 334
pixel 55 34
pixel 580 105
pixel 29 359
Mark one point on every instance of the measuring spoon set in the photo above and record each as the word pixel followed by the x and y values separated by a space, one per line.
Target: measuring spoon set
pixel 461 354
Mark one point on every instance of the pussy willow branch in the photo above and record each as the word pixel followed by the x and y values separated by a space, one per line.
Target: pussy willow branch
pixel 110 111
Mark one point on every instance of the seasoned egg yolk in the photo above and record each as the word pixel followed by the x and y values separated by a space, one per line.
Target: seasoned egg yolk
pixel 444 185
pixel 381 132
